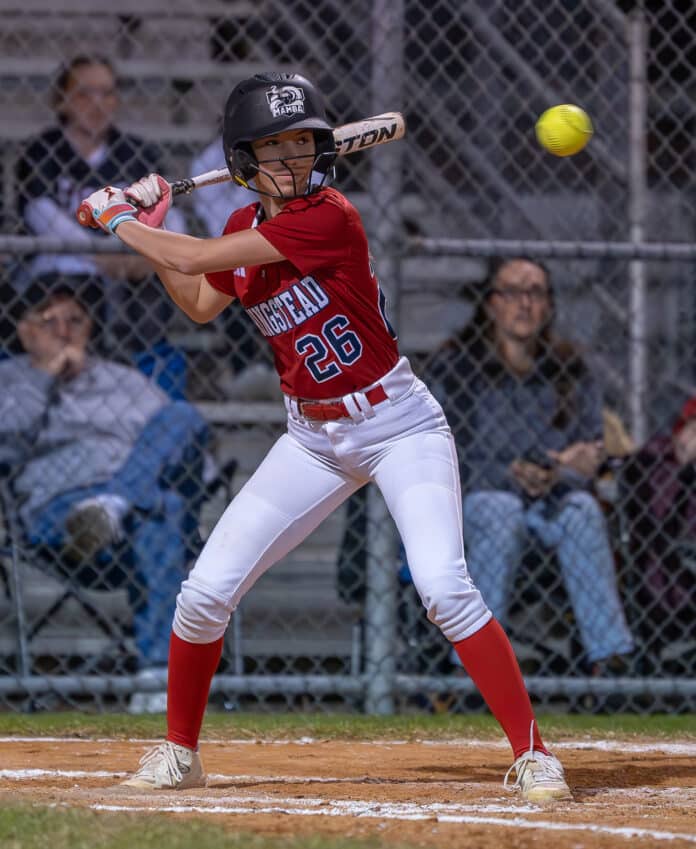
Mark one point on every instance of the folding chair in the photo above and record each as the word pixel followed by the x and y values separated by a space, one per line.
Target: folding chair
pixel 15 555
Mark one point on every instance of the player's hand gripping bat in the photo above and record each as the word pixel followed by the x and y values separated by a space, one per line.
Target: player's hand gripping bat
pixel 350 138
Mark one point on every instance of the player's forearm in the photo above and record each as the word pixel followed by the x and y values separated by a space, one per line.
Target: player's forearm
pixel 175 252
pixel 193 256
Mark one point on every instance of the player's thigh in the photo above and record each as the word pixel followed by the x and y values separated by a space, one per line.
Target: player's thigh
pixel 290 493
pixel 419 478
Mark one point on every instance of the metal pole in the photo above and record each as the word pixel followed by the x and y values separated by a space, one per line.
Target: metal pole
pixel 380 607
pixel 384 221
pixel 637 194
pixel 385 230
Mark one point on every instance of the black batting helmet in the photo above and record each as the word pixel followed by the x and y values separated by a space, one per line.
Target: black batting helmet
pixel 271 103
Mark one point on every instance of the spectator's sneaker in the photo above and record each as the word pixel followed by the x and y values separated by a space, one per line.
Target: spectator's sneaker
pixel 93 524
pixel 142 703
pixel 616 666
pixel 168 767
pixel 539 778
pixel 153 698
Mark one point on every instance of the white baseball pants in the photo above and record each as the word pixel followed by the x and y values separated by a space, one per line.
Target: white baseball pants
pixel 405 446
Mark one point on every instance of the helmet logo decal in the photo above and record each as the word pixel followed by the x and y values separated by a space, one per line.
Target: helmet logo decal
pixel 285 100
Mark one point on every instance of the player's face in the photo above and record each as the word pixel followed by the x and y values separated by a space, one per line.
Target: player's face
pixel 44 333
pixel 285 162
pixel 520 303
pixel 90 100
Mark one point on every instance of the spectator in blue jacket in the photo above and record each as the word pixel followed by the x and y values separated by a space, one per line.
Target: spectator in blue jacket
pixel 527 417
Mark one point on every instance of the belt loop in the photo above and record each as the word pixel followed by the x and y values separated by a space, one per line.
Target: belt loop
pixel 352 405
pixel 293 407
pixel 364 404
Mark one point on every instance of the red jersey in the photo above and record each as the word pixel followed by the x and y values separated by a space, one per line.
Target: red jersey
pixel 321 309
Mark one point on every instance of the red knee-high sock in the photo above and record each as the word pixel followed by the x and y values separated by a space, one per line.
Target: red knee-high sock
pixel 491 664
pixel 191 669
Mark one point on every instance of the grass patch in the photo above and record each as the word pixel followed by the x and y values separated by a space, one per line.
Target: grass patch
pixel 345 726
pixel 24 827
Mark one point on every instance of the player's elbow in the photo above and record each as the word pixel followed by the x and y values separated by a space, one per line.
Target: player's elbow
pixel 199 316
pixel 191 260
pixel 190 266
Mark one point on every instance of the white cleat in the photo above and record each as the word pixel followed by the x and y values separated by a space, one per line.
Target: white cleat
pixel 168 767
pixel 539 778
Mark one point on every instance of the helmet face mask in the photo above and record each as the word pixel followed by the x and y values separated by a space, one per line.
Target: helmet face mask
pixel 268 104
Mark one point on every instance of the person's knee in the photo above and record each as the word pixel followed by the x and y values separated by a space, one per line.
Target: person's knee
pixel 186 416
pixel 581 509
pixel 455 605
pixel 493 512
pixel 202 614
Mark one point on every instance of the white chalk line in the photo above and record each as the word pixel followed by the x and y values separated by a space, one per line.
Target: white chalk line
pixel 404 812
pixel 668 793
pixel 29 774
pixel 596 745
pixel 440 812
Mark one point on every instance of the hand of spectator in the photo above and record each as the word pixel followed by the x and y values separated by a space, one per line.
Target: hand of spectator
pixel 582 457
pixel 67 363
pixel 685 443
pixel 534 480
pixel 109 207
pixel 154 195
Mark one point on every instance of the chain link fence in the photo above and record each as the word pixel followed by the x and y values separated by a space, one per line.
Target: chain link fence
pixel 84 615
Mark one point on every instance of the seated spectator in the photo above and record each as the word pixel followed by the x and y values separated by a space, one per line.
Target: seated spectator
pixel 102 461
pixel 82 152
pixel 527 417
pixel 247 372
pixel 660 483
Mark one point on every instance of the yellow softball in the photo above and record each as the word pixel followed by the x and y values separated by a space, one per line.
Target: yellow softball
pixel 564 130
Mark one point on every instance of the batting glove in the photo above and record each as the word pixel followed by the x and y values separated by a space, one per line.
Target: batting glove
pixel 106 208
pixel 154 195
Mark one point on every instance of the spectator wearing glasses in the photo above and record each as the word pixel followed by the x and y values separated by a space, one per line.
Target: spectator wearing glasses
pixel 527 417
pixel 101 460
pixel 83 151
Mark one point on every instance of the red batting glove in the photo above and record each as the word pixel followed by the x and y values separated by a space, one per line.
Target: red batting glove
pixel 153 194
pixel 106 208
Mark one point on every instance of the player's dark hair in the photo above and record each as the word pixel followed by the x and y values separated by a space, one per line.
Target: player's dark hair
pixel 61 83
pixel 557 359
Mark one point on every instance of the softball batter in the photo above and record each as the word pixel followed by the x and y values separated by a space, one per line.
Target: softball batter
pixel 298 260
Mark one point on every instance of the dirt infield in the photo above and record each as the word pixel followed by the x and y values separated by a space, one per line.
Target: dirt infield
pixel 439 794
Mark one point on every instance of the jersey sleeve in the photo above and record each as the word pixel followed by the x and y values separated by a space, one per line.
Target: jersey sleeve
pixel 223 281
pixel 311 234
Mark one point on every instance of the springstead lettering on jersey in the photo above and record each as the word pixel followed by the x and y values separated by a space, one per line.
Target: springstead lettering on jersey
pixel 289 308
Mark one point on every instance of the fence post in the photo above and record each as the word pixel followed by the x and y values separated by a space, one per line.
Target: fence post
pixel 637 195
pixel 385 190
pixel 380 606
